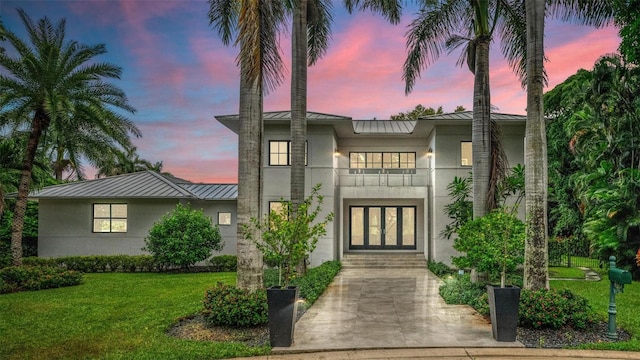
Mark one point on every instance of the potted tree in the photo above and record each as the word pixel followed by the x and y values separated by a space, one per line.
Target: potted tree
pixel 495 243
pixel 288 237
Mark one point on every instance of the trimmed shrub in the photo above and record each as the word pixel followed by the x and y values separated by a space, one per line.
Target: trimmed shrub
pixel 316 280
pixel 29 278
pixel 554 309
pixel 224 263
pixel 183 237
pixel 98 263
pixel 460 290
pixel 439 269
pixel 227 305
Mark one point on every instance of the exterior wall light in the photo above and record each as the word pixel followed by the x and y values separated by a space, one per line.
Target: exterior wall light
pixel 430 152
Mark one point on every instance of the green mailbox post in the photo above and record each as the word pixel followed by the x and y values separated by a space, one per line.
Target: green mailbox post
pixel 618 279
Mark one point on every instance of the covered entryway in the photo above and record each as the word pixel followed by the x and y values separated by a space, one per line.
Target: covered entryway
pixel 382 227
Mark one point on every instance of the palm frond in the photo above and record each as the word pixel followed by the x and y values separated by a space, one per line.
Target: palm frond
pixel 319 21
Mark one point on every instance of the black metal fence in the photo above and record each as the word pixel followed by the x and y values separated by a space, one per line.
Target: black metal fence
pixel 572 252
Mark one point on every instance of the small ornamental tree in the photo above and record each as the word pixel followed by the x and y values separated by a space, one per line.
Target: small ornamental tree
pixel 183 237
pixel 492 243
pixel 286 239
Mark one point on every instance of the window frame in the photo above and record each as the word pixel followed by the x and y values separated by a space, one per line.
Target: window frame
pixel 109 218
pixel 370 158
pixel 470 162
pixel 288 152
pixel 225 213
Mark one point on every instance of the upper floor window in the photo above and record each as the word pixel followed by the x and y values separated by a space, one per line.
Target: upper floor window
pixel 280 153
pixel 382 160
pixel 109 218
pixel 466 153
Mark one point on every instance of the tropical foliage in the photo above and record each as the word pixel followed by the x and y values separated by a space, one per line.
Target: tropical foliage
pixel 595 126
pixel 74 90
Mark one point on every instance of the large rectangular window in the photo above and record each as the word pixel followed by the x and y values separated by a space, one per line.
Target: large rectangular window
pixel 382 160
pixel 280 153
pixel 466 158
pixel 110 218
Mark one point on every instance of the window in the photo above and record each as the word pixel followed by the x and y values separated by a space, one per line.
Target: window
pixel 466 158
pixel 276 206
pixel 110 218
pixel 280 153
pixel 382 160
pixel 224 218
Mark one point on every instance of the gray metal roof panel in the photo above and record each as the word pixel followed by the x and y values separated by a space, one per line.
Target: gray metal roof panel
pixel 145 184
pixel 468 115
pixel 384 126
pixel 213 191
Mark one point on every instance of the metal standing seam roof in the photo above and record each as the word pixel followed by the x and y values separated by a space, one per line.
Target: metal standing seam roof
pixel 144 184
pixel 384 126
pixel 468 115
pixel 213 191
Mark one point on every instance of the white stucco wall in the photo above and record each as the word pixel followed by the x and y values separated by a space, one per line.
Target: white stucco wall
pixel 65 226
pixel 319 170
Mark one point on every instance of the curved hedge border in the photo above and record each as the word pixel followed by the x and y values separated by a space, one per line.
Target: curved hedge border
pixel 31 278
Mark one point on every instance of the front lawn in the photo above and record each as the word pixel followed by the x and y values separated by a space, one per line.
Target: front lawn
pixel 627 303
pixel 111 316
pixel 566 273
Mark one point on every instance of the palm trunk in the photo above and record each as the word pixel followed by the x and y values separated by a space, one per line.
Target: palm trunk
pixel 536 255
pixel 298 109
pixel 250 265
pixel 481 128
pixel 38 126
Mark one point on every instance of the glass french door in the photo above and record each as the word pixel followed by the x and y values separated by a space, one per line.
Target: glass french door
pixel 382 227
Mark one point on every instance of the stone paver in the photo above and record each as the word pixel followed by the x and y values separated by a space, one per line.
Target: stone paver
pixel 387 309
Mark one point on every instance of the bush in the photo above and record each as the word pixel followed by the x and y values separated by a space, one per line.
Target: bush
pixel 460 290
pixel 25 278
pixel 227 305
pixel 554 309
pixel 98 263
pixel 440 269
pixel 183 237
pixel 224 263
pixel 316 280
pixel 493 243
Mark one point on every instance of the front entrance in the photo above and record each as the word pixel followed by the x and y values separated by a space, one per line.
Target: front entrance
pixel 382 227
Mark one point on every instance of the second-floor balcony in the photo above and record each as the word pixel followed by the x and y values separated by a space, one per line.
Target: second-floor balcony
pixel 384 177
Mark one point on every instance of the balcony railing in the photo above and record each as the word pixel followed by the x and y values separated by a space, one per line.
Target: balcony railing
pixel 383 177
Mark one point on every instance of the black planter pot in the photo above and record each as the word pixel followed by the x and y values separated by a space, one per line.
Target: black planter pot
pixel 503 306
pixel 283 306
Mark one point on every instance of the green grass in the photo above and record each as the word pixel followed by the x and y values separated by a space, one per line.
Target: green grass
pixel 566 273
pixel 627 305
pixel 111 316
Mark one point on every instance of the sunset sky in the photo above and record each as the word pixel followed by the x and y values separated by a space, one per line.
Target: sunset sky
pixel 178 74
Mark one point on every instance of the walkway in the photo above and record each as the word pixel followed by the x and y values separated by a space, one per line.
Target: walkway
pixel 386 309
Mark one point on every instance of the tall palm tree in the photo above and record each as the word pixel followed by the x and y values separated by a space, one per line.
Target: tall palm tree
pixel 78 137
pixel 443 25
pixel 125 161
pixel 536 255
pixel 311 29
pixel 49 78
pixel 254 26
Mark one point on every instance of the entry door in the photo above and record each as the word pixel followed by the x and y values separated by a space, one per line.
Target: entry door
pixel 382 227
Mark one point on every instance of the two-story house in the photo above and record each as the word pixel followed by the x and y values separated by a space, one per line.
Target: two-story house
pixel 386 182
